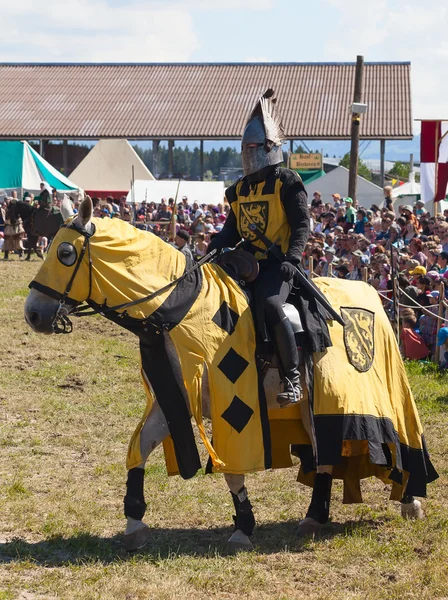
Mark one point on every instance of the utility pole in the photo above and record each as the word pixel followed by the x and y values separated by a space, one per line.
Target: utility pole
pixel 356 118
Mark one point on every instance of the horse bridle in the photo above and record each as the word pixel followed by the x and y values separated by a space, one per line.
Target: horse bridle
pixel 61 322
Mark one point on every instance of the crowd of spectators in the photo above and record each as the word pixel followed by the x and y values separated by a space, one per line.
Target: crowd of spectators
pixel 347 240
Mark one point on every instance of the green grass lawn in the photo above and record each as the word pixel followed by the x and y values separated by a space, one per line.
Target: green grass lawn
pixel 68 406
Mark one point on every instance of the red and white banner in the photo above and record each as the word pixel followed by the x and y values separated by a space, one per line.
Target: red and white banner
pixel 434 160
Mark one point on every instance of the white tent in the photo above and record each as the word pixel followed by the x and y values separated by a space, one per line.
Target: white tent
pixel 202 192
pixel 336 182
pixel 107 169
pixel 410 188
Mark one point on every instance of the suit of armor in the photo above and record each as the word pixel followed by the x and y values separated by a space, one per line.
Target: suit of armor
pixel 274 200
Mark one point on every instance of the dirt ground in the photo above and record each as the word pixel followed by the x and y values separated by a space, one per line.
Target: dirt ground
pixel 68 406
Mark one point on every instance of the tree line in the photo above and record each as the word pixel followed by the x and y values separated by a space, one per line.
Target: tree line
pixel 187 162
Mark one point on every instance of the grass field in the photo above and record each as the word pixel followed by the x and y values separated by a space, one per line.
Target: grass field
pixel 68 406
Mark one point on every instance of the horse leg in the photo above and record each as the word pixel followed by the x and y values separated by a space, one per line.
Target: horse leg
pixel 319 509
pixel 244 518
pixel 153 432
pixel 411 508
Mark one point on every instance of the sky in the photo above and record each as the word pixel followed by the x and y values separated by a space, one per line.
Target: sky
pixel 237 31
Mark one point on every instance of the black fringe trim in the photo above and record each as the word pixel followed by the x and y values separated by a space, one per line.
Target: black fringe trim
pixel 379 432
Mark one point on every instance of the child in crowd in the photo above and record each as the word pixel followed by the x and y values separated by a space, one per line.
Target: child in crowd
pixel 413 346
pixel 442 342
pixel 429 324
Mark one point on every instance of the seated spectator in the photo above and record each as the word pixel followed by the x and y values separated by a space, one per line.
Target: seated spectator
pixel 361 220
pixel 408 293
pixel 442 261
pixel 182 241
pixel 424 288
pixel 337 202
pixel 431 259
pixel 342 271
pixel 395 238
pixel 317 200
pixel 383 235
pixel 442 343
pixel 428 323
pixel 415 246
pixel 200 247
pixel 411 232
pixel 164 213
pixel 413 346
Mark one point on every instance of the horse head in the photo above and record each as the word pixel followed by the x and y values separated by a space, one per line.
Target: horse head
pixel 62 282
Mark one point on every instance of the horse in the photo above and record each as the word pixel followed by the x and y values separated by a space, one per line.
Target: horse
pixel 36 222
pixel 357 418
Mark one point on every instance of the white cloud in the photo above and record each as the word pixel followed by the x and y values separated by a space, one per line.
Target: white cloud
pixel 389 30
pixel 93 30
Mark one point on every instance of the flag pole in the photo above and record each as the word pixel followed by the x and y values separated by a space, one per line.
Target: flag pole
pixel 134 211
pixel 436 167
pixel 173 217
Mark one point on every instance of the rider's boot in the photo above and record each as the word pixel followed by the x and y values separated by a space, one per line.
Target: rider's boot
pixel 6 255
pixel 286 349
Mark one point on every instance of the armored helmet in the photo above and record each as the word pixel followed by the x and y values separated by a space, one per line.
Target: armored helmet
pixel 263 136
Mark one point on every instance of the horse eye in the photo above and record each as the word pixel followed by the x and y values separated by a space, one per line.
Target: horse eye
pixel 67 254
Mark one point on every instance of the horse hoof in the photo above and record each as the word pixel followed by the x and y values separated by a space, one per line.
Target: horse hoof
pixel 239 542
pixel 137 539
pixel 413 510
pixel 309 526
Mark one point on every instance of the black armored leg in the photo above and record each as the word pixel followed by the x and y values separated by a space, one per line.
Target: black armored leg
pixel 319 508
pixel 134 501
pixel 244 518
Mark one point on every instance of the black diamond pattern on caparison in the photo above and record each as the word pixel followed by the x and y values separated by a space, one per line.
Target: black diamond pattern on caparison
pixel 237 414
pixel 226 318
pixel 233 365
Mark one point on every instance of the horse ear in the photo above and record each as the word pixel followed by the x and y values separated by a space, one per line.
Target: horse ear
pixel 66 208
pixel 85 211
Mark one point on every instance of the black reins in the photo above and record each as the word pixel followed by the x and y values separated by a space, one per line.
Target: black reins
pixel 61 322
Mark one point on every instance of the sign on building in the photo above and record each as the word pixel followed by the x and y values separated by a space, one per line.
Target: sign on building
pixel 305 161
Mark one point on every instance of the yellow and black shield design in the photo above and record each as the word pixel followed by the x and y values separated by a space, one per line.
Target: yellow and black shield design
pixel 359 337
pixel 253 213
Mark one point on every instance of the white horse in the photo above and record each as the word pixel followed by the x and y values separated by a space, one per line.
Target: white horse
pixel 78 268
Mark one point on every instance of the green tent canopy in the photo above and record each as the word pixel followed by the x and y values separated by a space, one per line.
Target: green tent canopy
pixel 23 169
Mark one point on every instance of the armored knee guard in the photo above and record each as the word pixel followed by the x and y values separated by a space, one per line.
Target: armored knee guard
pixel 134 501
pixel 244 518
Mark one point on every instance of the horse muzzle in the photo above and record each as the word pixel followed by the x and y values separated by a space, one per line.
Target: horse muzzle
pixel 42 312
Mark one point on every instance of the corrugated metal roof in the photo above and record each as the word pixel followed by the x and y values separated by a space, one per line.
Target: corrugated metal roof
pixel 198 101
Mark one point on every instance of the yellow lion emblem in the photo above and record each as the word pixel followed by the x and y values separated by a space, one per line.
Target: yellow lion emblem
pixel 359 331
pixel 253 213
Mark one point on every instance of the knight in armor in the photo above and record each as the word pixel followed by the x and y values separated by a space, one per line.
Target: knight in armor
pixel 271 200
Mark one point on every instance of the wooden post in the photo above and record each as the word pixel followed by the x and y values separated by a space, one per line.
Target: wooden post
pixel 65 158
pixel 354 146
pixel 155 158
pixel 202 159
pixel 311 266
pixel 365 274
pixel 330 270
pixel 382 155
pixel 170 157
pixel 395 295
